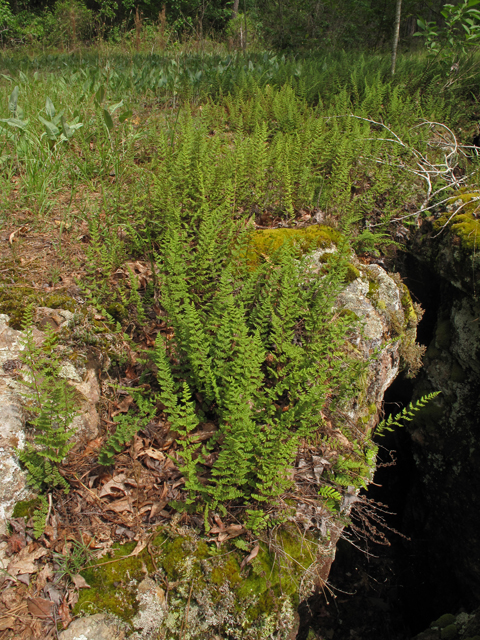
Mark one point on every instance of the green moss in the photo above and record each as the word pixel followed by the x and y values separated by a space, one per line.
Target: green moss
pixel 230 570
pixel 467 228
pixel 373 289
pixel 117 311
pixel 194 568
pixel 348 313
pixel 14 300
pixel 25 508
pixel 113 585
pixel 265 242
pixel 448 632
pixel 352 273
pixel 408 308
pixel 444 621
pixel 59 301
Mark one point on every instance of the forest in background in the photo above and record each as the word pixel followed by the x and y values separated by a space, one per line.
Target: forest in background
pixel 298 25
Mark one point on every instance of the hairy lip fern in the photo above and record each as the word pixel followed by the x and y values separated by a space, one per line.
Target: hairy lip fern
pixel 51 405
pixel 256 350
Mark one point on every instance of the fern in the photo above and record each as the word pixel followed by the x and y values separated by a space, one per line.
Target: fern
pixel 40 516
pixel 126 427
pixel 406 415
pixel 51 403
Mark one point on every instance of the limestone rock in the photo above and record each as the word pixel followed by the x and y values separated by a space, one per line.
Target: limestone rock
pixel 97 627
pixel 13 486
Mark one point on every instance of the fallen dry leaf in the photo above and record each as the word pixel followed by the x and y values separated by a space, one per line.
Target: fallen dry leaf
pixel 93 446
pixel 43 576
pixel 157 507
pixel 53 593
pixel 123 405
pixel 80 582
pixel 154 453
pixel 25 561
pixel 12 237
pixel 253 554
pixel 130 372
pixel 16 543
pixel 112 487
pixel 64 614
pixel 119 506
pixel 7 623
pixel 40 607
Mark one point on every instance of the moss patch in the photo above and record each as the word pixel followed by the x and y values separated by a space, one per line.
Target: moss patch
pixel 206 576
pixel 14 300
pixel 25 508
pixel 265 242
pixel 60 301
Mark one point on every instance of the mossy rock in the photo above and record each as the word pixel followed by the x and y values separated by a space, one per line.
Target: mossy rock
pixel 457 374
pixel 14 301
pixel 445 620
pixel 265 242
pixel 352 273
pixel 25 508
pixel 449 632
pixel 261 596
pixel 117 311
pixel 60 301
pixel 443 334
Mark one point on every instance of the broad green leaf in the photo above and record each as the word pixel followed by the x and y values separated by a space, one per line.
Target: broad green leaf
pixel 51 129
pixel 13 101
pixel 108 119
pixel 67 131
pixel 6 77
pixel 125 115
pixel 49 108
pixel 15 122
pixel 472 3
pixel 116 106
pixel 100 95
pixel 23 77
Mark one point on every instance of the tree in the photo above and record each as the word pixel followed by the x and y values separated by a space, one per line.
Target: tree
pixel 396 33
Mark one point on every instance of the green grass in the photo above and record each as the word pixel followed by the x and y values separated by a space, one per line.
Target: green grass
pixel 279 128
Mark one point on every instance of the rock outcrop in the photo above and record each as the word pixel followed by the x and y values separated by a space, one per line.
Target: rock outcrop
pixel 194 590
pixel 83 377
pixel 445 439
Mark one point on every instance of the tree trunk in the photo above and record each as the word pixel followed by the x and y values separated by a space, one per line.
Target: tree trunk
pixel 396 32
pixel 235 8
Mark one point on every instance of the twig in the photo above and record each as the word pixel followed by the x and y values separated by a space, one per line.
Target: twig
pixel 50 504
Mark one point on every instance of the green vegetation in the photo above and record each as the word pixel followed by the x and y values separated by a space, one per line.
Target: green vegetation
pixel 253 598
pixel 172 162
pixel 180 194
pixel 50 402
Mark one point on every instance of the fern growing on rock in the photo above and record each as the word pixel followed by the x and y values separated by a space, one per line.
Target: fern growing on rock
pixel 50 401
pixel 258 350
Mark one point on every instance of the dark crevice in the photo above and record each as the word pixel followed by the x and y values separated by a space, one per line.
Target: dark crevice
pixel 391 592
